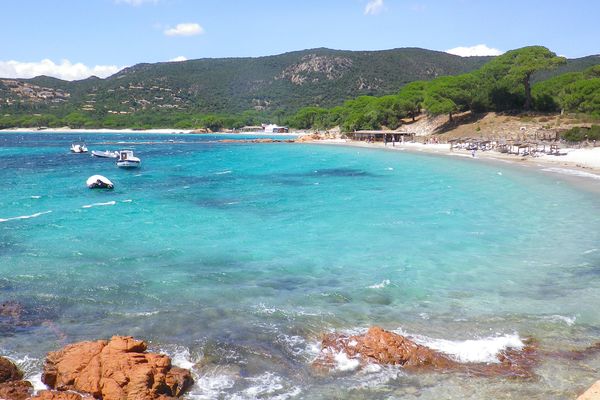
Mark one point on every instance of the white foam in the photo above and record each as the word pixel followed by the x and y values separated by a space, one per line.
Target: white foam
pixel 570 321
pixel 572 172
pixel 126 201
pixel 474 350
pixel 24 216
pixel 344 363
pixel 267 385
pixel 211 385
pixel 380 285
pixel 31 371
pixel 108 203
pixel 590 251
pixel 223 172
pixel 133 314
pixel 36 197
pixel 180 355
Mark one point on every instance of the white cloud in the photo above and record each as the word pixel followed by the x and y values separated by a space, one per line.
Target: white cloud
pixel 178 58
pixel 65 70
pixel 136 3
pixel 478 50
pixel 374 7
pixel 185 29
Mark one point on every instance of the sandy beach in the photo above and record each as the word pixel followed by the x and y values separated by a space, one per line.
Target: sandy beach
pixel 576 163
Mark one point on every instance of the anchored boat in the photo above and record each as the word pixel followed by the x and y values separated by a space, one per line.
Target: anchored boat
pixel 99 182
pixel 105 154
pixel 78 148
pixel 126 159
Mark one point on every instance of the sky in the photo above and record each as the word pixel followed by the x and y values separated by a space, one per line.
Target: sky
pixel 73 39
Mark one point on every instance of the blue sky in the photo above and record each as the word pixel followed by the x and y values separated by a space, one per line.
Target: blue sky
pixel 72 39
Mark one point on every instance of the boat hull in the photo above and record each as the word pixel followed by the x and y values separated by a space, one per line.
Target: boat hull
pixel 128 164
pixel 104 154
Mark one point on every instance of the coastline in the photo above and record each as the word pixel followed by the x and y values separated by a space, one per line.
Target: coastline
pixel 161 131
pixel 580 166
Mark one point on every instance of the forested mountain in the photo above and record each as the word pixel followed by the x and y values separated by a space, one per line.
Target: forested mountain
pixel 310 88
pixel 286 82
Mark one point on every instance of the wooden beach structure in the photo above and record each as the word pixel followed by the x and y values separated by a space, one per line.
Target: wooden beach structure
pixel 381 136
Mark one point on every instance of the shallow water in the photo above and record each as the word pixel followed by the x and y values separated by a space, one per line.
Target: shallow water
pixel 235 258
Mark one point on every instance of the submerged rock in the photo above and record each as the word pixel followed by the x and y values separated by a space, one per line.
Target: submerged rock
pixel 383 347
pixel 115 370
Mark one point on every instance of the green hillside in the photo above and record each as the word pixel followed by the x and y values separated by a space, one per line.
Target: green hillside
pixel 287 82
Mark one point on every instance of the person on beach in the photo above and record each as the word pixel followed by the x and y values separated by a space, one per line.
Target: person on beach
pixel 473 153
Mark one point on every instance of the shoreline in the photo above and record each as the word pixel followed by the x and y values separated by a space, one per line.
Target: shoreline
pixel 576 169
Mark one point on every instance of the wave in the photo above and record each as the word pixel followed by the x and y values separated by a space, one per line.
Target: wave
pixel 31 368
pixel 223 172
pixel 24 216
pixel 36 197
pixel 266 385
pixel 108 203
pixel 570 321
pixel 572 172
pixel 380 285
pixel 484 350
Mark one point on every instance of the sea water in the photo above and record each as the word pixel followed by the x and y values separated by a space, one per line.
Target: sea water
pixel 234 258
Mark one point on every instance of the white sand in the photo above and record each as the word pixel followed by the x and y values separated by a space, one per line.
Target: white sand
pixel 577 162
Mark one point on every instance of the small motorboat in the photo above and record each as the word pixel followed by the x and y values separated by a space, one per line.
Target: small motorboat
pixel 105 154
pixel 78 148
pixel 126 159
pixel 99 182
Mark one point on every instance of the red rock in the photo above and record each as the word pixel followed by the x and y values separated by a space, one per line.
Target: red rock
pixel 384 347
pixel 9 371
pixel 116 369
pixel 56 395
pixel 15 390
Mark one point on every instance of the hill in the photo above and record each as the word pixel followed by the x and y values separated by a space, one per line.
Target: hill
pixel 320 77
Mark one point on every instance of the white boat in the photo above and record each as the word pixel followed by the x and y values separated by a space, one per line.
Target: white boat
pixel 126 159
pixel 99 182
pixel 78 148
pixel 105 154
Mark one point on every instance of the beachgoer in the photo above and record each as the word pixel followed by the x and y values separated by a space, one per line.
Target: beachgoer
pixel 473 152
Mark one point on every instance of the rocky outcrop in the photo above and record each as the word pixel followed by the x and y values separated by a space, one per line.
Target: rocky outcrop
pixel 383 347
pixel 56 395
pixel 9 371
pixel 593 393
pixel 12 387
pixel 115 370
pixel 15 390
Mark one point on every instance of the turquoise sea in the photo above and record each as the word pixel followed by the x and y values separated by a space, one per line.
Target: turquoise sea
pixel 235 257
